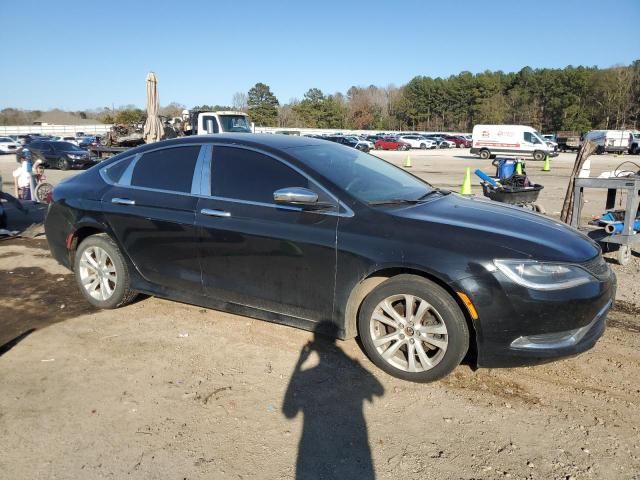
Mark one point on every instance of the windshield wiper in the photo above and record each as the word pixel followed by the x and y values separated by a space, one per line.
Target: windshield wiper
pixel 433 192
pixel 392 201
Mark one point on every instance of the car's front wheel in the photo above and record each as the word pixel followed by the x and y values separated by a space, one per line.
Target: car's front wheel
pixel 413 329
pixel 63 164
pixel 101 273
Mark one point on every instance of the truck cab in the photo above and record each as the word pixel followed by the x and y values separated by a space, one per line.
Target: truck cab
pixel 224 121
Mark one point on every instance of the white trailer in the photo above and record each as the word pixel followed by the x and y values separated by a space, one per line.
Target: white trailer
pixel 489 141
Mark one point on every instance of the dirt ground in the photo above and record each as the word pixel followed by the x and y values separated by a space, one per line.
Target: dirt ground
pixel 160 389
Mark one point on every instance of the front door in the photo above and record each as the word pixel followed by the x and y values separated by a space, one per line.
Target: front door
pixel 259 254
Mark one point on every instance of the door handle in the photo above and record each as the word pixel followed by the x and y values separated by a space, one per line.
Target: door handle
pixel 123 201
pixel 214 213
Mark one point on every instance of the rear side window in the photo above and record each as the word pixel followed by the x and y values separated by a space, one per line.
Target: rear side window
pixel 167 169
pixel 246 175
pixel 114 171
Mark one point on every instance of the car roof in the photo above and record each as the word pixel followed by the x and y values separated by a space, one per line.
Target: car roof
pixel 280 142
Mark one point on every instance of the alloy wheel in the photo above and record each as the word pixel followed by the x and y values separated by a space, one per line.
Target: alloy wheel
pixel 98 273
pixel 408 333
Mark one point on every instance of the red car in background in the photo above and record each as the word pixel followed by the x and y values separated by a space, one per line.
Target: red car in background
pixel 460 142
pixel 389 143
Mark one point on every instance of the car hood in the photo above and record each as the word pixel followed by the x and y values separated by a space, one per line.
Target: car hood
pixel 494 227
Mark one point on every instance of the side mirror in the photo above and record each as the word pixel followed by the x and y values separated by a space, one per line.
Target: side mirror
pixel 302 197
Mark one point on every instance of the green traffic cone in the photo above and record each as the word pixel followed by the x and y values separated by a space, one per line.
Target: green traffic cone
pixel 407 162
pixel 466 183
pixel 547 164
pixel 518 167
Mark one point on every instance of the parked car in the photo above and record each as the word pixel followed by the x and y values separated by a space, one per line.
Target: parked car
pixel 348 142
pixel 363 142
pixel 65 139
pixel 458 141
pixel 441 142
pixel 60 155
pixel 391 143
pixel 417 141
pixel 86 142
pixel 301 231
pixel 8 145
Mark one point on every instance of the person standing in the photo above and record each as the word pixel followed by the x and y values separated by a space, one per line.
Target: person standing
pixel 22 178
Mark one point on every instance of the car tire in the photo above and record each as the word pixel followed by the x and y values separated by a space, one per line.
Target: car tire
pixel 423 146
pixel 98 259
pixel 538 155
pixel 425 349
pixel 485 154
pixel 62 164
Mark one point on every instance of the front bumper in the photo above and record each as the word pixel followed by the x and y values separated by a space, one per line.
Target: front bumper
pixel 518 326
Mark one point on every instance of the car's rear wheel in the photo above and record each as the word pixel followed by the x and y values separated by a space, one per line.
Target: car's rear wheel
pixel 485 154
pixel 102 274
pixel 413 329
pixel 63 164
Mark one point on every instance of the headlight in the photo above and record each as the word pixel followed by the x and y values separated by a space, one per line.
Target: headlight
pixel 543 276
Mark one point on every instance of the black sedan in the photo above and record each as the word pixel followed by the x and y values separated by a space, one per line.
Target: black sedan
pixel 60 155
pixel 303 231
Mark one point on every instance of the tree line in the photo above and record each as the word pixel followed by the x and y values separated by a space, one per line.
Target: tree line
pixel 550 100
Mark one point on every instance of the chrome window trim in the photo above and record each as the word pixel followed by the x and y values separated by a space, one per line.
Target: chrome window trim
pixel 125 179
pixel 347 212
pixel 198 170
pixel 205 177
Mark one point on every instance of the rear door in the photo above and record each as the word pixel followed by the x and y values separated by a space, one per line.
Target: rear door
pixel 151 210
pixel 260 254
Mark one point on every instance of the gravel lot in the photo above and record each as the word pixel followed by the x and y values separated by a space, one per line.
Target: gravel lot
pixel 161 389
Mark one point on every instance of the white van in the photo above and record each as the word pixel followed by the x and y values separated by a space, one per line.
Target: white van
pixel 610 140
pixel 511 141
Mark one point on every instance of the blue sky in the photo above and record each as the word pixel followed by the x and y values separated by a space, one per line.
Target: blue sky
pixel 82 55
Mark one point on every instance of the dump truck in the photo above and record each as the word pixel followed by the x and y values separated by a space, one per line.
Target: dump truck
pixel 568 141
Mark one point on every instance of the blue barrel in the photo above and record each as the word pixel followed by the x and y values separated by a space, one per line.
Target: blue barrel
pixel 506 168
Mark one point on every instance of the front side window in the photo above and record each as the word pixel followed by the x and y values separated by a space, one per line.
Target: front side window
pixel 531 138
pixel 251 176
pixel 167 169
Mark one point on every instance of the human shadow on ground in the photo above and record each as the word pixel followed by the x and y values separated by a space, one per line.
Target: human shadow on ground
pixel 330 395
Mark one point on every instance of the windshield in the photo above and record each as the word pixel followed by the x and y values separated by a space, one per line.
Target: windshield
pixel 367 178
pixel 66 146
pixel 235 123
